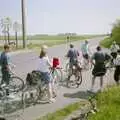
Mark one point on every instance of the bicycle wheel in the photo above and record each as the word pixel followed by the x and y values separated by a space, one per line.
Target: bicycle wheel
pixel 56 77
pixel 13 108
pixel 67 67
pixel 60 73
pixel 0 78
pixel 74 78
pixel 79 79
pixel 16 84
pixel 42 93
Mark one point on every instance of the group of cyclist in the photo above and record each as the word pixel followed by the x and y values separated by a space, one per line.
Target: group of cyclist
pixel 98 59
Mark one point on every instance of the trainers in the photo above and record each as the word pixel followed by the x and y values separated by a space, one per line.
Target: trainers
pixel 91 90
pixel 52 100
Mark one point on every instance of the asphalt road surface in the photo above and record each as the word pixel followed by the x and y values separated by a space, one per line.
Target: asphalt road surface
pixel 26 62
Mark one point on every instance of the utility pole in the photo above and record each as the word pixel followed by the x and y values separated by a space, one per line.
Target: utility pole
pixel 23 23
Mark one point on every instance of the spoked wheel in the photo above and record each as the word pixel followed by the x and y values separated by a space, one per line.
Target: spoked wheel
pixel 16 84
pixel 42 94
pixel 56 76
pixel 74 80
pixel 67 67
pixel 30 96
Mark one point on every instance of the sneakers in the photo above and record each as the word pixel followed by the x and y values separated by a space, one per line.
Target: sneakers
pixel 91 90
pixel 52 100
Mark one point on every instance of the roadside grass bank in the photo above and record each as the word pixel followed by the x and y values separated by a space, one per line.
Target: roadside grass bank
pixel 52 37
pixel 64 112
pixel 108 103
pixel 106 42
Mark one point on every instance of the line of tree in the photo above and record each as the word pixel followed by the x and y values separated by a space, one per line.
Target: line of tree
pixel 115 33
pixel 7 25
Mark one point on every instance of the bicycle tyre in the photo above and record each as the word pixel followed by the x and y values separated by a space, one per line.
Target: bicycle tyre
pixel 14 86
pixel 79 79
pixel 56 77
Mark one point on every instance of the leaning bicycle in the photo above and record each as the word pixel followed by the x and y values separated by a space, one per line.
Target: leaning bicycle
pixel 11 105
pixel 16 83
pixel 74 78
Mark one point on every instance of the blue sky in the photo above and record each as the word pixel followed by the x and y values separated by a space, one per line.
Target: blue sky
pixel 60 16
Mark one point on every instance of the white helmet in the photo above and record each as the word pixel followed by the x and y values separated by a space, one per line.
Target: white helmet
pixel 44 47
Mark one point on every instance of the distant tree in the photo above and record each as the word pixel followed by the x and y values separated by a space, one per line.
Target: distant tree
pixel 115 34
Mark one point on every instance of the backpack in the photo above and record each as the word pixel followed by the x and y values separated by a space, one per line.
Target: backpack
pixel 33 78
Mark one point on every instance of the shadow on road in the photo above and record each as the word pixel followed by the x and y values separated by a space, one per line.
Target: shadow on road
pixel 80 94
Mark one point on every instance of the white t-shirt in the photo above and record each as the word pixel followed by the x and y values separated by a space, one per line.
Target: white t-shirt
pixel 117 61
pixel 44 64
pixel 114 48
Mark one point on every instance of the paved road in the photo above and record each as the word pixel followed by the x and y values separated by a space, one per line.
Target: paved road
pixel 26 62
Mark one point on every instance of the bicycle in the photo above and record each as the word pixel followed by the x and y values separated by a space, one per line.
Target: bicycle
pixel 16 83
pixel 86 64
pixel 76 72
pixel 10 104
pixel 38 91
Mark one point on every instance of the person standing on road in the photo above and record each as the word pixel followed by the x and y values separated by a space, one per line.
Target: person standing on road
pixel 98 59
pixel 5 65
pixel 44 68
pixel 86 53
pixel 117 68
pixel 114 48
pixel 85 50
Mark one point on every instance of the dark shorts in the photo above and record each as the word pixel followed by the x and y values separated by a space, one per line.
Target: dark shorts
pixel 46 77
pixel 114 55
pixel 99 70
pixel 117 74
pixel 86 56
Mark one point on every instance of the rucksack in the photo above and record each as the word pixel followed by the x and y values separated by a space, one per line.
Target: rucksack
pixel 33 78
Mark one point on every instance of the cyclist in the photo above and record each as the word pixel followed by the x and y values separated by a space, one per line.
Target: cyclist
pixel 86 51
pixel 114 47
pixel 72 55
pixel 98 59
pixel 44 68
pixel 117 68
pixel 73 58
pixel 5 65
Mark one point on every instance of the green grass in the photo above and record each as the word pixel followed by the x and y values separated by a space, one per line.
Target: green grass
pixel 63 113
pixel 106 42
pixel 52 37
pixel 50 40
pixel 109 105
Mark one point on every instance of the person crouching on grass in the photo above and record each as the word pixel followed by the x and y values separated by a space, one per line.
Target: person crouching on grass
pixel 44 68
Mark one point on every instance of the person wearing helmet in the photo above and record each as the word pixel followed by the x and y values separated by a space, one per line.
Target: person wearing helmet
pixel 44 68
pixel 72 55
pixel 44 48
pixel 114 47
pixel 117 68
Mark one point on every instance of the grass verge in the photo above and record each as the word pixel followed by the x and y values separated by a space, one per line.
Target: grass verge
pixel 109 105
pixel 51 41
pixel 63 113
pixel 106 42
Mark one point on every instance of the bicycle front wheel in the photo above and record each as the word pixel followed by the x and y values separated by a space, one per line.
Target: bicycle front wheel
pixel 16 84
